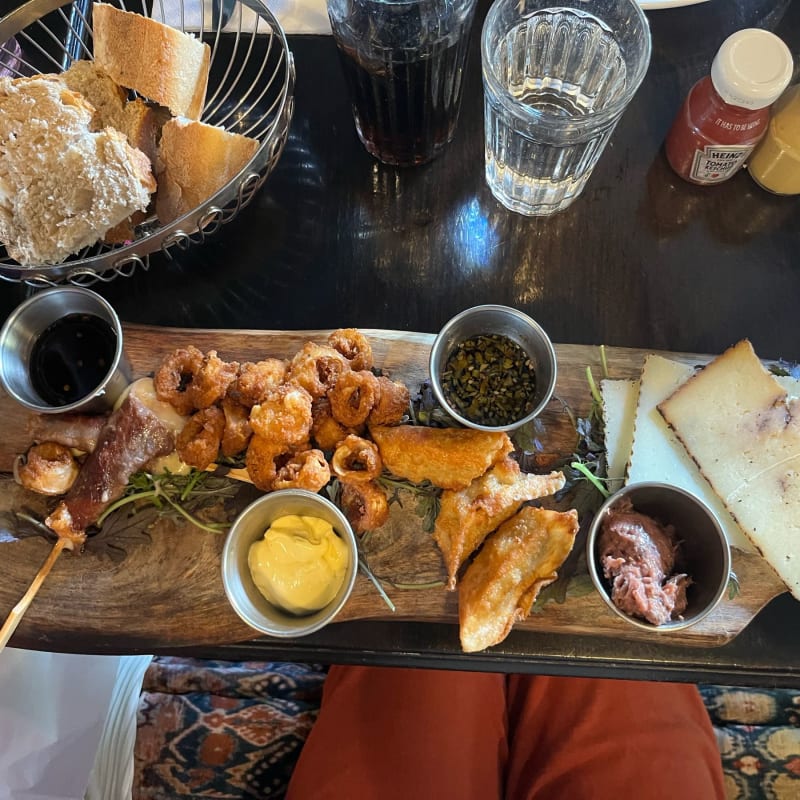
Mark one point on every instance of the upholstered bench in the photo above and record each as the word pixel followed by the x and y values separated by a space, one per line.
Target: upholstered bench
pixel 216 729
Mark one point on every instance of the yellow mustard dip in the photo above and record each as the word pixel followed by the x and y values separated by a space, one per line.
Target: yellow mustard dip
pixel 299 564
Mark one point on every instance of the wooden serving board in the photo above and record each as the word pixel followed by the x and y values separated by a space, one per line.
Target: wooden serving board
pixel 160 587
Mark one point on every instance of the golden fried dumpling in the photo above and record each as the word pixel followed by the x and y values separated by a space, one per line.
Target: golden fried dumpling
pixel 467 516
pixel 447 457
pixel 515 563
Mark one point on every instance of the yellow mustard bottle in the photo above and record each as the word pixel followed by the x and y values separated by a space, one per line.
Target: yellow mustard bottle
pixel 775 163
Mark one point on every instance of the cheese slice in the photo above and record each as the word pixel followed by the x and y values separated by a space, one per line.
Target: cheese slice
pixel 658 455
pixel 743 430
pixel 619 409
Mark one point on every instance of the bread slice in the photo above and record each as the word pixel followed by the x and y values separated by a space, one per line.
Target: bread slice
pixel 196 160
pixel 157 61
pixel 62 184
pixel 743 430
pixel 140 122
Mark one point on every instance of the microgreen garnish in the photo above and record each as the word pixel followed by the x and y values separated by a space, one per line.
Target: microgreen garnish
pixel 183 495
pixel 426 494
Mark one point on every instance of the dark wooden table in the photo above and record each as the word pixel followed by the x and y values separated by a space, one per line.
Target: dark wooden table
pixel 641 260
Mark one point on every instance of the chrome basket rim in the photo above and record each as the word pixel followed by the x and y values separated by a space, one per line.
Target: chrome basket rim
pixel 103 263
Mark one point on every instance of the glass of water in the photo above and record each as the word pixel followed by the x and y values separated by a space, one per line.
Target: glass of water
pixel 556 81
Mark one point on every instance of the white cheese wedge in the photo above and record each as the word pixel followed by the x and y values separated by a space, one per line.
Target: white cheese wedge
pixel 743 430
pixel 619 409
pixel 658 455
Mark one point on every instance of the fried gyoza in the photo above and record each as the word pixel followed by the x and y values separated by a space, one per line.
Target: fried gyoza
pixel 450 458
pixel 468 516
pixel 500 585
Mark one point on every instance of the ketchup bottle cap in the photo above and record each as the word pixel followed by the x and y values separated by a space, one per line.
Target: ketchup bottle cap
pixel 751 68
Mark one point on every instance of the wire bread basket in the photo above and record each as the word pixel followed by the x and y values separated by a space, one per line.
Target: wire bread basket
pixel 250 91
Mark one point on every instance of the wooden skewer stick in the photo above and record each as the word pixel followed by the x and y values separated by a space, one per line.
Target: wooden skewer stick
pixel 15 617
pixel 234 473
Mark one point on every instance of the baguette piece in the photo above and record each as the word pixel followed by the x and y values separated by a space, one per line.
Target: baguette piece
pixel 195 160
pixel 62 184
pixel 157 61
pixel 141 123
pixel 743 430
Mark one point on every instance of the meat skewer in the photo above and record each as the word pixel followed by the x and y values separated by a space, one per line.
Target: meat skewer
pixel 133 435
pixel 80 431
pixel 15 617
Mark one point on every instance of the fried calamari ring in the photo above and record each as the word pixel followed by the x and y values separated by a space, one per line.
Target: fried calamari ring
pixel 237 430
pixel 255 379
pixel 47 468
pixel 260 462
pixel 212 379
pixel 356 460
pixel 317 368
pixel 327 432
pixel 353 397
pixel 354 346
pixel 283 416
pixel 392 403
pixel 174 378
pixel 365 505
pixel 198 443
pixel 304 470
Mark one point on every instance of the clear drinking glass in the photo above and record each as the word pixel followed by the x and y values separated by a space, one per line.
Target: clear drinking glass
pixel 556 82
pixel 403 61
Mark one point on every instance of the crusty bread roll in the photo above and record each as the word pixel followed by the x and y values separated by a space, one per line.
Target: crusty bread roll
pixel 195 160
pixel 62 184
pixel 159 62
pixel 139 121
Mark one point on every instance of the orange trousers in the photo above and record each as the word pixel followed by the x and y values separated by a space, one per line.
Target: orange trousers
pixel 408 734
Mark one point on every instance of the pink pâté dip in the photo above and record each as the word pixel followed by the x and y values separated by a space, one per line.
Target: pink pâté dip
pixel 638 555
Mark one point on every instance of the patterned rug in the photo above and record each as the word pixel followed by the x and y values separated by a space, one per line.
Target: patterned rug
pixel 233 731
pixel 215 729
pixel 758 733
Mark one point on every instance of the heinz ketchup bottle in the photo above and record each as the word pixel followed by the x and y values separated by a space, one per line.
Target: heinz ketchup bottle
pixel 726 113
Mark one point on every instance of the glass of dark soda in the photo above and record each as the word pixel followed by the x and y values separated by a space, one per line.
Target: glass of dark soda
pixel 403 61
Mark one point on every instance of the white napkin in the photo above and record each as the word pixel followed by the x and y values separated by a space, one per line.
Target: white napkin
pixel 301 16
pixel 295 16
pixel 54 710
